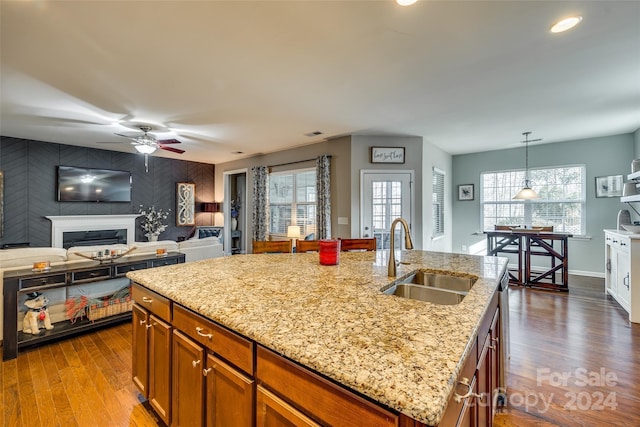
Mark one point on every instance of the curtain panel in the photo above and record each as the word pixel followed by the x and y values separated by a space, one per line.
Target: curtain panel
pixel 260 202
pixel 323 190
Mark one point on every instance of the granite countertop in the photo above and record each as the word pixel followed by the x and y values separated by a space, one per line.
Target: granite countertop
pixel 625 233
pixel 403 353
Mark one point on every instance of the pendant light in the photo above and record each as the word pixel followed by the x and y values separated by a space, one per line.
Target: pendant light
pixel 527 192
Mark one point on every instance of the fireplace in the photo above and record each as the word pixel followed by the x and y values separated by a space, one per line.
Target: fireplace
pixel 94 237
pixel 103 229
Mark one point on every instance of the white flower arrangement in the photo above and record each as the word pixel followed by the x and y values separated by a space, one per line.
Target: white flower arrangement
pixel 152 220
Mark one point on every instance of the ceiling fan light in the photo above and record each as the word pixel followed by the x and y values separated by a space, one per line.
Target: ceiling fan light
pixel 145 149
pixel 566 24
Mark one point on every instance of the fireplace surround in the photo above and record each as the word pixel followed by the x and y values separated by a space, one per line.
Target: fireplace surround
pixel 92 223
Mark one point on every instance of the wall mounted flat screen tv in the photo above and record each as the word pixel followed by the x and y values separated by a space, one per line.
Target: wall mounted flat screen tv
pixel 93 185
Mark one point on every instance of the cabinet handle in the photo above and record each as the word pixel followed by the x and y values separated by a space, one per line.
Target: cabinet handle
pixel 495 340
pixel 205 372
pixel 142 322
pixel 195 363
pixel 199 332
pixel 147 300
pixel 626 281
pixel 465 382
pixel 148 326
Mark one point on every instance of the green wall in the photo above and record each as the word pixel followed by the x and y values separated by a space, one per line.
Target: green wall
pixel 610 155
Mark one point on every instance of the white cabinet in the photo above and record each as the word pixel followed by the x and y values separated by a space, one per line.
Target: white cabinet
pixel 622 274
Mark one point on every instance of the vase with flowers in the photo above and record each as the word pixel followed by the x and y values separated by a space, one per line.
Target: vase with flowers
pixel 152 223
pixel 235 207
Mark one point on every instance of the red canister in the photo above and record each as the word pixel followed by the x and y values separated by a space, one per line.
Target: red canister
pixel 329 252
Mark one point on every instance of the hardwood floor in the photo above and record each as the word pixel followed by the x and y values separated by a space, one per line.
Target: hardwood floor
pixel 82 381
pixel 86 380
pixel 575 360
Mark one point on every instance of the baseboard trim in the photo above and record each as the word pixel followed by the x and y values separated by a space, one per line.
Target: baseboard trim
pixel 597 274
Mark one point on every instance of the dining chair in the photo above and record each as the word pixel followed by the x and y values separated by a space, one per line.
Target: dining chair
pixel 358 244
pixel 307 246
pixel 271 247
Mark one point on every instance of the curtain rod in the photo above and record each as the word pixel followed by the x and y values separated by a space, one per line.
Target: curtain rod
pixel 299 161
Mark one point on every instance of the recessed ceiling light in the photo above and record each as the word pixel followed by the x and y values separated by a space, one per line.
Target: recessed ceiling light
pixel 237 152
pixel 406 2
pixel 566 24
pixel 314 133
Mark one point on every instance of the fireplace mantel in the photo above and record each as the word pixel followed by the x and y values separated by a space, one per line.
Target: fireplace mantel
pixel 61 224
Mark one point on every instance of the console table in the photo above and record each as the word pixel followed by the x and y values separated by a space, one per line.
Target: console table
pixel 531 243
pixel 17 282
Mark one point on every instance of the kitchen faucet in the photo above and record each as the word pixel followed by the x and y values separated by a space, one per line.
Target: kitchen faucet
pixel 407 243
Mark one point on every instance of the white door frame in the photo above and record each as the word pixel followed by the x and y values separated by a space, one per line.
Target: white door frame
pixel 226 209
pixel 411 174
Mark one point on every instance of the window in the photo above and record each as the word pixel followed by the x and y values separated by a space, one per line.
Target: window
pixel 438 202
pixel 561 203
pixel 292 201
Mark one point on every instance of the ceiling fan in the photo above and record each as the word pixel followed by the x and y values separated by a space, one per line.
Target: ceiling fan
pixel 147 143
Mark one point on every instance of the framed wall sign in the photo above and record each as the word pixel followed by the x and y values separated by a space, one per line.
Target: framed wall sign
pixel 387 154
pixel 185 203
pixel 609 186
pixel 465 192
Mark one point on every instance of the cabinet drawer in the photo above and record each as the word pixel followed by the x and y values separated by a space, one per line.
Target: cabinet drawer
pixel 164 261
pixel 56 279
pixel 228 345
pixel 90 275
pixel 157 304
pixel 121 270
pixel 323 400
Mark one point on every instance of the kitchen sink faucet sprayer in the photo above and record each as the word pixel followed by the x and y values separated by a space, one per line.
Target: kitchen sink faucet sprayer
pixel 407 243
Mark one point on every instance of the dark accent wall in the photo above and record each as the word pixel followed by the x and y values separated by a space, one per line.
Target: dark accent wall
pixel 30 187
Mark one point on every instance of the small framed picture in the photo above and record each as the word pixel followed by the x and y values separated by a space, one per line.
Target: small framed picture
pixel 609 186
pixel 387 154
pixel 465 192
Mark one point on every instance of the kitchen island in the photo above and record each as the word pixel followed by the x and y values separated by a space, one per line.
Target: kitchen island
pixel 336 321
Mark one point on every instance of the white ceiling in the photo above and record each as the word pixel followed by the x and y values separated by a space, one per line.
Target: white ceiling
pixel 256 76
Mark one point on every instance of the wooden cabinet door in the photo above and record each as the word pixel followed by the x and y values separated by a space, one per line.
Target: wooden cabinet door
pixel 188 382
pixel 494 362
pixel 160 367
pixel 483 382
pixel 624 279
pixel 140 349
pixel 271 411
pixel 229 395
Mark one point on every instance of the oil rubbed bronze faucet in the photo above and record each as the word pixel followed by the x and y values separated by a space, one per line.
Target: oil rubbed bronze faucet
pixel 407 243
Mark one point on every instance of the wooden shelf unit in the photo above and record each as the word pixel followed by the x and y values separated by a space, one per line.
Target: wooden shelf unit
pixel 23 281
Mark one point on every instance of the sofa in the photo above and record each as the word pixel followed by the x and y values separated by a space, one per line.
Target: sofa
pixel 205 243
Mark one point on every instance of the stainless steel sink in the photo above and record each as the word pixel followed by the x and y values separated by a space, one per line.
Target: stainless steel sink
pixel 441 281
pixel 424 293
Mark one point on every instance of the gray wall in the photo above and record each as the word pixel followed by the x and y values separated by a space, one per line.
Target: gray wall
pixel 340 151
pixel 350 155
pixel 30 187
pixel 360 160
pixel 637 138
pixel 602 156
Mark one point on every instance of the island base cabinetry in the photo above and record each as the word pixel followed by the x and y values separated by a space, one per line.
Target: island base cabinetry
pixel 208 390
pixel 320 399
pixel 198 373
pixel 152 351
pixel 474 400
pixel 272 411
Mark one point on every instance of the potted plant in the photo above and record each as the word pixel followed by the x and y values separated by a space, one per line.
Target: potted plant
pixel 152 223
